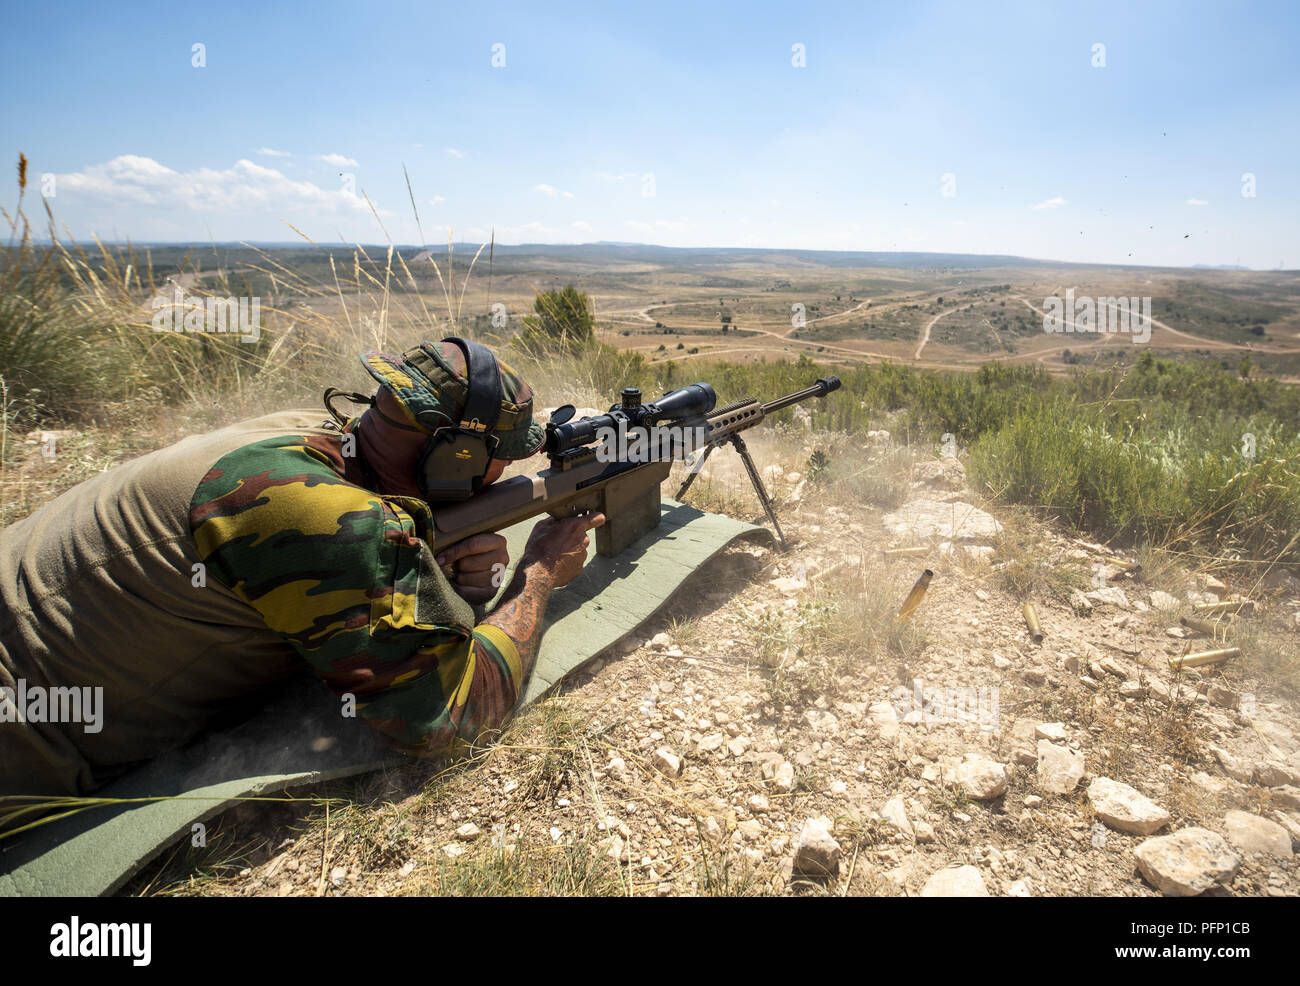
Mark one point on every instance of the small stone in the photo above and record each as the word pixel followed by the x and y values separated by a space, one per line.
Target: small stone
pixel 1059 768
pixel 453 849
pixel 750 830
pixel 468 832
pixel 839 787
pixel 1223 697
pixel 1089 682
pixel 1054 731
pixel 1268 774
pixel 816 852
pixel 1000 662
pixel 710 743
pixel 1033 800
pixel 712 830
pixel 923 831
pixel 737 747
pixel 1187 863
pixel 1163 600
pixel 660 641
pixel 783 779
pixel 1238 770
pixel 667 763
pixel 759 804
pixel 1131 689
pixel 982 779
pixel 1125 808
pixel 338 874
pixel 895 812
pixel 956 881
pixel 407 868
pixel 1251 833
pixel 1287 797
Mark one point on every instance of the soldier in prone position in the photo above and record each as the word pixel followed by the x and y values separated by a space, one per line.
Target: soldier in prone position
pixel 186 583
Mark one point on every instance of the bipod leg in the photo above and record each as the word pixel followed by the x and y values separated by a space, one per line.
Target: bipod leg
pixel 763 498
pixel 695 471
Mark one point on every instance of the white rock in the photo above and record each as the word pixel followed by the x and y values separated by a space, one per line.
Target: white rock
pixel 708 744
pixel 895 812
pixel 885 718
pixel 982 779
pixel 783 778
pixel 660 641
pixel 821 725
pixel 1269 774
pixel 468 832
pixel 1111 595
pixel 1189 862
pixel 958 521
pixel 667 763
pixel 453 849
pixel 759 804
pixel 1125 808
pixel 816 853
pixel 1238 770
pixel 1054 731
pixel 1059 768
pixel 1251 833
pixel 1163 600
pixel 956 881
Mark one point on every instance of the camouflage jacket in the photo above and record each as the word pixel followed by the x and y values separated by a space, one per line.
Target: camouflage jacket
pixel 346 577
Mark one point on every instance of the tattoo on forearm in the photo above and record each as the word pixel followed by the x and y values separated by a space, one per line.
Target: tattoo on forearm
pixel 519 614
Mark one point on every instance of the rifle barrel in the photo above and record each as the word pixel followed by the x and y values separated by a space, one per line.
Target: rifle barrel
pixel 820 389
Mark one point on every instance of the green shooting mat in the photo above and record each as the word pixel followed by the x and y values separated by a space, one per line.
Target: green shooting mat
pixel 300 739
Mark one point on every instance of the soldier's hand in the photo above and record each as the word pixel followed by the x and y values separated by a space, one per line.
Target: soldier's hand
pixel 476 567
pixel 560 545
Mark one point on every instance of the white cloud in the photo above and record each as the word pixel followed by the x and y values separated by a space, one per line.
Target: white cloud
pixel 455 153
pixel 1197 202
pixel 546 190
pixel 338 160
pixel 245 186
pixel 567 195
pixel 437 200
pixel 272 152
pixel 582 226
pixel 1052 203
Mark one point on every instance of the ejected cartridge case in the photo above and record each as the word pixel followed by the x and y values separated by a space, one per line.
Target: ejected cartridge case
pixel 914 597
pixel 906 552
pixel 1204 658
pixel 1031 621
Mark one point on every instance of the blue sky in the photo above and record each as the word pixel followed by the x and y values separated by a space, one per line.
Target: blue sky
pixel 683 124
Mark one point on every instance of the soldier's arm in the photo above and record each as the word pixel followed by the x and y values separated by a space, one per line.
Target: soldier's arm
pixel 344 577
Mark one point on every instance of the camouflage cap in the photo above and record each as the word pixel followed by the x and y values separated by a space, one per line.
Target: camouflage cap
pixel 432 378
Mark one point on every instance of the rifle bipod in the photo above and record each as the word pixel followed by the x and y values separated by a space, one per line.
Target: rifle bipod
pixel 739 444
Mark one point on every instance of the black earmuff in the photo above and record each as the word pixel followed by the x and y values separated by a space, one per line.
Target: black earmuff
pixel 456 457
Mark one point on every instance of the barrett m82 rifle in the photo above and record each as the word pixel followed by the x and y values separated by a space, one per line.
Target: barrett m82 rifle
pixel 615 462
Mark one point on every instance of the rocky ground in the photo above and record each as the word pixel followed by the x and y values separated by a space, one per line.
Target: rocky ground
pixel 779 731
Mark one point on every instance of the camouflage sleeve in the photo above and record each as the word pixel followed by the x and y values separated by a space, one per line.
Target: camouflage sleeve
pixel 346 577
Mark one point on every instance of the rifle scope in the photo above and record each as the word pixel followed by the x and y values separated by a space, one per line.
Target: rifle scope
pixel 688 402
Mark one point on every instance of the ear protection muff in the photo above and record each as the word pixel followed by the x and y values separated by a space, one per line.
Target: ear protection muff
pixel 456 457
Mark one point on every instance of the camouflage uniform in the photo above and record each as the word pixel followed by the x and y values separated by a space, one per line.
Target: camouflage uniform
pixel 188 581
